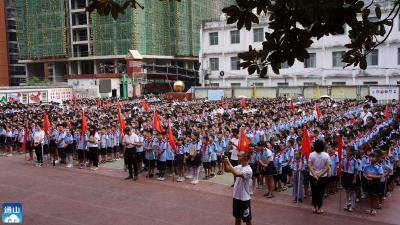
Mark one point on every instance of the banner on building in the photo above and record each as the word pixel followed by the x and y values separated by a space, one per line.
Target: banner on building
pixel 384 93
pixel 215 94
pixel 60 94
pixel 37 97
pixel 3 98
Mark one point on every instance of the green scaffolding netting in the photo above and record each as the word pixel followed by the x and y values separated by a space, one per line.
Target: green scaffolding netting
pixel 162 28
pixel 41 28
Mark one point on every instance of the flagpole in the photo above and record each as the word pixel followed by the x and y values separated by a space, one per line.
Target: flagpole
pixel 298 178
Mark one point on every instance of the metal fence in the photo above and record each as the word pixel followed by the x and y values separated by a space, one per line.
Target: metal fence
pixel 308 92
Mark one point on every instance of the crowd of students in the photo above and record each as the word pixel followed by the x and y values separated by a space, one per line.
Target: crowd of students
pixel 205 131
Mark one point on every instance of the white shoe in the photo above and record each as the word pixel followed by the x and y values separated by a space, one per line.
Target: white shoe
pixel 57 161
pixel 189 177
pixel 179 179
pixel 194 182
pixel 37 165
pixel 161 178
pixel 69 166
pixel 8 155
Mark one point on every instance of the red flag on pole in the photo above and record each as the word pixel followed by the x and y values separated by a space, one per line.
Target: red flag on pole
pixel 98 102
pixel 157 123
pixel 305 143
pixel 340 150
pixel 26 133
pixel 387 112
pixel 118 104
pixel 121 120
pixel 317 112
pixel 243 103
pixel 243 142
pixel 222 103
pixel 171 138
pixel 146 106
pixel 292 106
pixel 84 123
pixel 46 124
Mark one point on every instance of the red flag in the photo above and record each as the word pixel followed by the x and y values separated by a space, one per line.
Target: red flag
pixel 118 104
pixel 317 112
pixel 26 133
pixel 340 149
pixel 46 124
pixel 305 143
pixel 157 123
pixel 292 106
pixel 222 103
pixel 84 123
pixel 243 103
pixel 146 106
pixel 171 138
pixel 121 120
pixel 68 124
pixel 98 102
pixel 243 142
pixel 387 112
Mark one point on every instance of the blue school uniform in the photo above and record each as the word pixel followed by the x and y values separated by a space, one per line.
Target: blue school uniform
pixel 141 139
pixel 60 139
pixel 206 153
pixel 150 155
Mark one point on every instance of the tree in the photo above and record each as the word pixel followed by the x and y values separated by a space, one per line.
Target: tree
pixel 36 81
pixel 115 7
pixel 294 24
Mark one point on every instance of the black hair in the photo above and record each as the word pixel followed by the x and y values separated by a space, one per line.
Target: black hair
pixel 319 146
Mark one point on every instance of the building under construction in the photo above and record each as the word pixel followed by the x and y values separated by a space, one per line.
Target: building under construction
pixel 60 41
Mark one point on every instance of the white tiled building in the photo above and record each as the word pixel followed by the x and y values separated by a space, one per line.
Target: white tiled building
pixel 220 44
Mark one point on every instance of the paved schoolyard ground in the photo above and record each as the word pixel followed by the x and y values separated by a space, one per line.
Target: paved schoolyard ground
pixel 56 195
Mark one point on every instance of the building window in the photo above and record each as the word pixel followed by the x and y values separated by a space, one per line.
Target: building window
pixel 398 56
pixel 235 63
pixel 214 64
pixel 283 84
pixel 311 61
pixel 372 58
pixel 258 34
pixel 370 82
pixel 214 38
pixel 338 83
pixel 235 37
pixel 235 84
pixel 337 59
pixel 284 65
pixel 259 84
pixel 214 84
pixel 310 83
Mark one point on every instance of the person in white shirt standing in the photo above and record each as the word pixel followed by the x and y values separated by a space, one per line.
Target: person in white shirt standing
pixel 241 188
pixel 131 142
pixel 38 141
pixel 365 114
pixel 234 151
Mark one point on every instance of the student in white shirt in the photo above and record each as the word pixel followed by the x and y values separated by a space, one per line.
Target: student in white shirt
pixel 93 145
pixel 242 187
pixel 38 141
pixel 318 164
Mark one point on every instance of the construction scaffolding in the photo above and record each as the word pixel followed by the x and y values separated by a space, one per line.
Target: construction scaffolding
pixel 41 27
pixel 162 28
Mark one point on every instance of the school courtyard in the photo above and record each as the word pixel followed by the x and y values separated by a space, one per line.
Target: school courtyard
pixel 82 197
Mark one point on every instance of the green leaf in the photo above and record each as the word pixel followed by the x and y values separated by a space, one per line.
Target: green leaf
pixel 378 12
pixel 252 69
pixel 363 63
pixel 263 72
pixel 276 67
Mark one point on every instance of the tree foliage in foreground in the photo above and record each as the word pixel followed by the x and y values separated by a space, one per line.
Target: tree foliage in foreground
pixel 293 26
